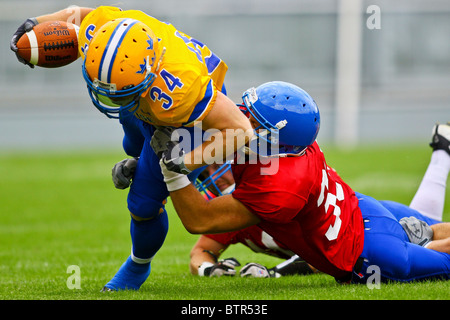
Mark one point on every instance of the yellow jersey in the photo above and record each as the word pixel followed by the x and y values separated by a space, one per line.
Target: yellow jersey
pixel 189 76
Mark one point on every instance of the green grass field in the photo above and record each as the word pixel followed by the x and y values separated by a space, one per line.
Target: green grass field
pixel 60 209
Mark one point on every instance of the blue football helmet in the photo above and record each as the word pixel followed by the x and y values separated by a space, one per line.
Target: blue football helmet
pixel 288 118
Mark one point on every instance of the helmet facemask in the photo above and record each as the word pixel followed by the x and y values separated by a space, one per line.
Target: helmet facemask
pixel 208 184
pixel 116 103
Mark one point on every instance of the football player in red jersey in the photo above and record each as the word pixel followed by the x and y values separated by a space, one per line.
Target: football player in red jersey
pixel 304 204
pixel 216 181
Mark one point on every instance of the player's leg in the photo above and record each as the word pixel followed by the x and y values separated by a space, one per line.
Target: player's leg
pixel 440 231
pixel 429 199
pixel 403 261
pixel 387 249
pixel 149 222
pixel 400 211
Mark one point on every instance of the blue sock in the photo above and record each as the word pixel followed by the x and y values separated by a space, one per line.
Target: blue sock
pixel 147 237
pixel 131 275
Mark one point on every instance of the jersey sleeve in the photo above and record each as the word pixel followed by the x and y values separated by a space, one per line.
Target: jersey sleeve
pixel 277 207
pixel 226 238
pixel 133 139
pixel 90 24
pixel 269 200
pixel 206 95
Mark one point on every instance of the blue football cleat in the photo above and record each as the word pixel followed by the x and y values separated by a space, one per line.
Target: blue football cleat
pixel 130 276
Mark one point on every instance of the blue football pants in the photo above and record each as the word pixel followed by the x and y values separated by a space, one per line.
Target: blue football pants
pixel 387 246
pixel 148 192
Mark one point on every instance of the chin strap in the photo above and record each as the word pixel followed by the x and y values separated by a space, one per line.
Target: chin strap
pixel 160 59
pixel 229 189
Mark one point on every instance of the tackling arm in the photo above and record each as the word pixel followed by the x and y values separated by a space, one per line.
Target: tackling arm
pixel 234 132
pixel 199 216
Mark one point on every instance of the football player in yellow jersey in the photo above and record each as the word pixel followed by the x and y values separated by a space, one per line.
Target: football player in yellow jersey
pixel 148 74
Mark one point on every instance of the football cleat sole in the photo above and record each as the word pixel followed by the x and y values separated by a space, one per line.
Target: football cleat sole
pixel 441 137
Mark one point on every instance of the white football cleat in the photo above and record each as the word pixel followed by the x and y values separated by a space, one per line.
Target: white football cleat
pixel 441 137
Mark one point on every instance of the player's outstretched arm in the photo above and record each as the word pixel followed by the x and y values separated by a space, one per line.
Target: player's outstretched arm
pixel 71 14
pixel 205 250
pixel 440 245
pixel 441 237
pixel 205 259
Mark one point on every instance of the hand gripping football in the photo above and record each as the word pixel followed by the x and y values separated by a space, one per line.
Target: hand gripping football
pixel 50 44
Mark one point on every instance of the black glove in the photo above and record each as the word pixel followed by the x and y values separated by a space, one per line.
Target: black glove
pixel 294 266
pixel 173 158
pixel 123 172
pixel 160 138
pixel 222 268
pixel 24 27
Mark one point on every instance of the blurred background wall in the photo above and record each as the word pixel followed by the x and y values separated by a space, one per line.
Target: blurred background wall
pixel 375 81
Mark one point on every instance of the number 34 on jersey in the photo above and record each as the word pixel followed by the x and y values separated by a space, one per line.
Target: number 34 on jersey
pixel 172 82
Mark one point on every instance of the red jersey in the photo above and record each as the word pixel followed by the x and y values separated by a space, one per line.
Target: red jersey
pixel 307 207
pixel 254 238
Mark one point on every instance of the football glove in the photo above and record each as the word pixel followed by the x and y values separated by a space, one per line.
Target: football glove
pixel 166 146
pixel 23 28
pixel 418 231
pixel 255 270
pixel 123 172
pixel 293 266
pixel 174 180
pixel 173 158
pixel 160 138
pixel 221 268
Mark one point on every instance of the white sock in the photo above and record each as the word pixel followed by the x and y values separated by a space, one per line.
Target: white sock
pixel 430 197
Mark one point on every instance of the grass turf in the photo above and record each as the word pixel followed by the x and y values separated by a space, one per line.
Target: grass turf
pixel 60 209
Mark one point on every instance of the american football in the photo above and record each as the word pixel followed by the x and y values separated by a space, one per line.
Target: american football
pixel 50 44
